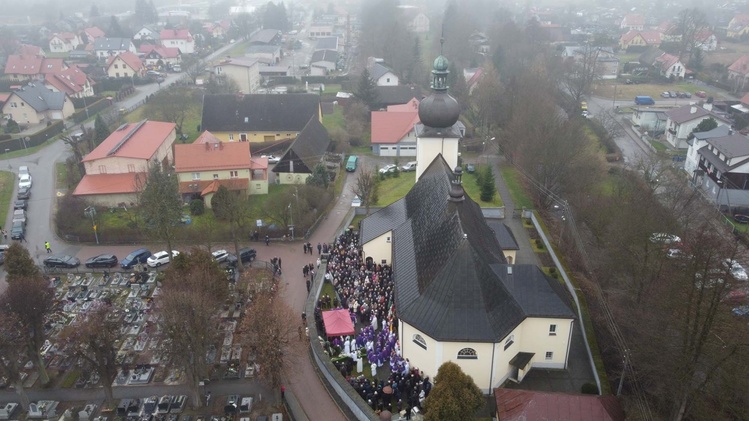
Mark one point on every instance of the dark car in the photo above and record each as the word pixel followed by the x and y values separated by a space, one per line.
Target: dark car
pixel 20 204
pixel 62 261
pixel 137 256
pixel 17 231
pixel 24 193
pixel 246 254
pixel 102 261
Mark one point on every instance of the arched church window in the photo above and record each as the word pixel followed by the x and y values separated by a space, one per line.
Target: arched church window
pixel 419 340
pixel 467 354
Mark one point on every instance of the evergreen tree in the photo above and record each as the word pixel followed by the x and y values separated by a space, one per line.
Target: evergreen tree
pixel 366 91
pixel 12 126
pixel 488 186
pixel 319 176
pixel 455 397
pixel 115 30
pixel 101 130
pixel 94 12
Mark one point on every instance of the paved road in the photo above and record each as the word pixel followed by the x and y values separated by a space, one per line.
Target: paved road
pixel 632 148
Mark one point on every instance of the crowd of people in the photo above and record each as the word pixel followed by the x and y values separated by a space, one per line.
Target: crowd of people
pixel 365 289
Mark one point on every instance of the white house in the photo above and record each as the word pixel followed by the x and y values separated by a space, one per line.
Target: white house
pixel 653 120
pixel 382 75
pixel 722 170
pixel 706 40
pixel 392 132
pixel 682 120
pixel 699 141
pixel 63 42
pixel 245 72
pixel 107 47
pixel 178 38
pixel 147 33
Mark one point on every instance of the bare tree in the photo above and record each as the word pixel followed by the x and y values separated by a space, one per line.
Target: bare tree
pixel 30 300
pixel 194 288
pixel 160 204
pixel 194 68
pixel 93 337
pixel 579 73
pixel 173 105
pixel 272 337
pixel 690 23
pixel 365 185
pixel 232 208
pixel 13 354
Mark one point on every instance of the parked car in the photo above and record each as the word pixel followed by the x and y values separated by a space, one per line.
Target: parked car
pixel 410 166
pixel 17 230
pixel 24 193
pixel 161 258
pixel 741 311
pixel 220 255
pixel 665 95
pixel 153 73
pixel 24 181
pixel 19 215
pixel 246 254
pixel 23 170
pixel 470 168
pixel 356 202
pixel 701 94
pixel 673 94
pixel 737 271
pixel 135 257
pixel 272 159
pixel 102 261
pixel 687 95
pixel 388 169
pixel 660 237
pixel 20 204
pixel 62 261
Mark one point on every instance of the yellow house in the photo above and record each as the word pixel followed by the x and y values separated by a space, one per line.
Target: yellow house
pixel 639 40
pixel 259 118
pixel 34 104
pixel 738 26
pixel 124 64
pixel 204 166
pixel 456 297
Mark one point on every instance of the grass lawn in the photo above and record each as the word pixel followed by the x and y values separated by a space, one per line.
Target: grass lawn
pixel 7 180
pixel 513 179
pixel 357 219
pixel 332 88
pixel 391 189
pixel 189 125
pixel 472 189
pixel 330 121
pixel 660 147
pixel 61 175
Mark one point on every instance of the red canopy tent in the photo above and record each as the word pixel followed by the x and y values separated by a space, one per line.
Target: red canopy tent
pixel 338 322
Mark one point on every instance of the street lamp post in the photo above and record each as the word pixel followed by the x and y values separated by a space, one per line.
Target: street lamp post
pixel 6 158
pixel 91 212
pixel 613 104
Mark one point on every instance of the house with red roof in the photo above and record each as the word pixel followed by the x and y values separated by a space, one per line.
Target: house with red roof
pixel 178 38
pixel 63 42
pixel 125 64
pixel 30 50
pixel 116 170
pixel 156 55
pixel 667 65
pixel 204 166
pixel 20 68
pixel 525 405
pixel 639 40
pixel 706 40
pixel 738 73
pixel 393 132
pixel 91 34
pixel 633 22
pixel 72 81
pixel 217 29
pixel 738 26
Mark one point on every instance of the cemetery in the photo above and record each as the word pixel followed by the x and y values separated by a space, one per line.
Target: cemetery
pixel 141 359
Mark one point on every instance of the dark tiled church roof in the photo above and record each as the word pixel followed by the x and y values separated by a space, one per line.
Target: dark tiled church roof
pixel 450 274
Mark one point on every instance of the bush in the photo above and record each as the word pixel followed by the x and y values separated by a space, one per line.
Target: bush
pixel 12 127
pixel 589 389
pixel 197 207
pixel 539 243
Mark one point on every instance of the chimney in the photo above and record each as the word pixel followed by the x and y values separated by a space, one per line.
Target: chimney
pixel 693 109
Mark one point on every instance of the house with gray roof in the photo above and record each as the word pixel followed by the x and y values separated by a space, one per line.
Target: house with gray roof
pixel 266 54
pixel 304 154
pixel 382 75
pixel 35 104
pixel 266 37
pixel 327 43
pixel 323 62
pixel 681 121
pixel 107 47
pixel 722 167
pixel 456 296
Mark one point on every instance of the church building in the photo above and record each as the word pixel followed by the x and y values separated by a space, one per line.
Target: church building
pixel 456 297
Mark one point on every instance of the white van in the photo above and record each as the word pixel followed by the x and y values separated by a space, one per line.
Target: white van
pixel 23 170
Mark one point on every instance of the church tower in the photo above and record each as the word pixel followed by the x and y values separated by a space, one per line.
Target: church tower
pixel 439 131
